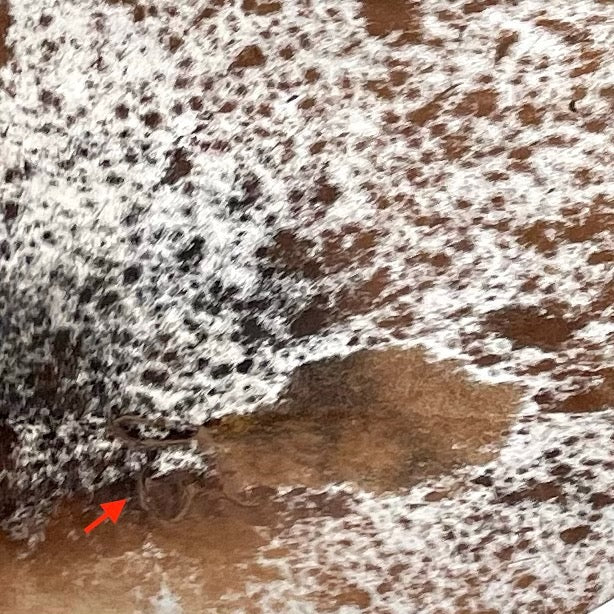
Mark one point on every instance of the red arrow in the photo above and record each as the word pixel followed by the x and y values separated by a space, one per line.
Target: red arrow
pixel 111 510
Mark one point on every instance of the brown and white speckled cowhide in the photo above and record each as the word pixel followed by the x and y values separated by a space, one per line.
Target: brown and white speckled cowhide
pixel 202 200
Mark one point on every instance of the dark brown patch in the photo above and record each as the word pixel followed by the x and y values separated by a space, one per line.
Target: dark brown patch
pixel 310 321
pixel 293 254
pixel 121 111
pixel 5 24
pixel 520 153
pixel 506 40
pixel 179 167
pixel 261 7
pixel 588 228
pixel 138 10
pixel 477 6
pixel 530 115
pixel 11 210
pixel 600 500
pixel 398 322
pixel 207 12
pixel 481 103
pixel 525 580
pixel 299 255
pixel 592 62
pixel 174 42
pixel 384 419
pixel 7 443
pixel 393 16
pixel 381 88
pixel 46 97
pixel 487 360
pixel 326 192
pixel 152 119
pixel 537 235
pixel 596 125
pixel 607 92
pixel 575 534
pixel 600 257
pixel 483 480
pixel 597 398
pixel 228 107
pixel 428 111
pixel 155 377
pixel 532 326
pixel 250 57
pixel 362 297
pixel 287 53
pixel 351 596
pixel 570 34
pixel 307 103
pixel 196 103
pixel 542 491
pixel 425 113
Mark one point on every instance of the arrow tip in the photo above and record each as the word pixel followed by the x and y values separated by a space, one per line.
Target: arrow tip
pixel 113 509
